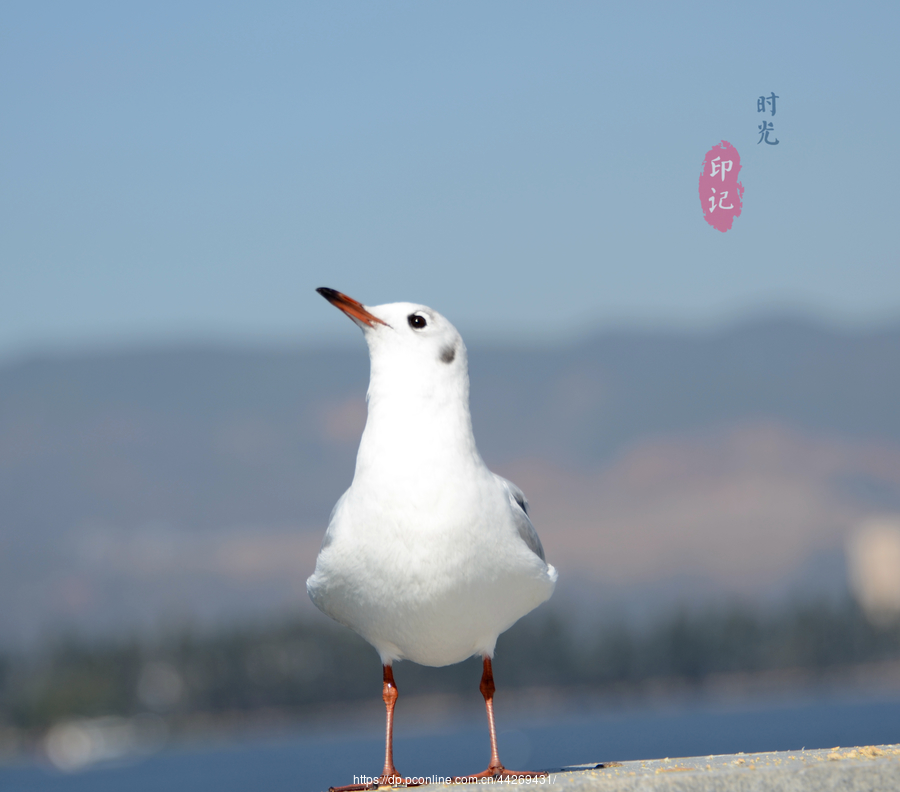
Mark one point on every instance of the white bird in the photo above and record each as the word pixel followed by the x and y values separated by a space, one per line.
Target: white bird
pixel 428 555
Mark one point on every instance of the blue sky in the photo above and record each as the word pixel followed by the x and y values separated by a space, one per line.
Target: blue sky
pixel 192 171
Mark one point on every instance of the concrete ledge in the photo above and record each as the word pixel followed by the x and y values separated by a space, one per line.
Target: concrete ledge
pixel 867 769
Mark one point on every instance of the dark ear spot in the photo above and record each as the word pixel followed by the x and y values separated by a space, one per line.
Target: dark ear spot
pixel 448 354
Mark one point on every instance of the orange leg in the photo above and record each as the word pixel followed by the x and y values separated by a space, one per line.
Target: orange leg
pixel 495 768
pixel 389 693
pixel 389 775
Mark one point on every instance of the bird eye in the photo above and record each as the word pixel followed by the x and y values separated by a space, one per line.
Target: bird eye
pixel 416 321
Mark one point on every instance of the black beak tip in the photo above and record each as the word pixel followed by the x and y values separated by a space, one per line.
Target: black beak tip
pixel 328 294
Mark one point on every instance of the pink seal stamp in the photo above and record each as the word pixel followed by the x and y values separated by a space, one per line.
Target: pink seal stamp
pixel 720 190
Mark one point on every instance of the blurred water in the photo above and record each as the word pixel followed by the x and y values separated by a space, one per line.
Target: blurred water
pixel 305 762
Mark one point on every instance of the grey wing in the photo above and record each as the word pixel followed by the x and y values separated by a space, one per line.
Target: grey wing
pixel 520 514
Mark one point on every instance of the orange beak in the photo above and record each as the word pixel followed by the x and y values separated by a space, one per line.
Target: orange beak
pixel 355 310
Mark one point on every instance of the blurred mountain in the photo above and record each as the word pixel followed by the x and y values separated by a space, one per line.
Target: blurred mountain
pixel 145 487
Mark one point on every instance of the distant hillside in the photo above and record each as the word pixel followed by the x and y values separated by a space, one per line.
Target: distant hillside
pixel 196 484
pixel 587 401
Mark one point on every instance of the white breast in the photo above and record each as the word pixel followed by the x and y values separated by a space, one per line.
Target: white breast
pixel 435 578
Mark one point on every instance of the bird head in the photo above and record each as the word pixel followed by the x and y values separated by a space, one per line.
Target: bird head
pixel 413 344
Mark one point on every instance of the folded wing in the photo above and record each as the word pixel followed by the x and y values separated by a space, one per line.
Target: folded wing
pixel 519 507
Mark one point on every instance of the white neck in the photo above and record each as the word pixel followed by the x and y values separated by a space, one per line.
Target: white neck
pixel 418 423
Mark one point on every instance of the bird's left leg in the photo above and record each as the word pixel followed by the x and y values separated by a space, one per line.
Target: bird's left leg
pixel 495 768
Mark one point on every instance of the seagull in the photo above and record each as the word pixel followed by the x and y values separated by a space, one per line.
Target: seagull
pixel 428 555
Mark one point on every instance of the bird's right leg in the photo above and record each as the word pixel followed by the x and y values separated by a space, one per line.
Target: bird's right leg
pixel 389 775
